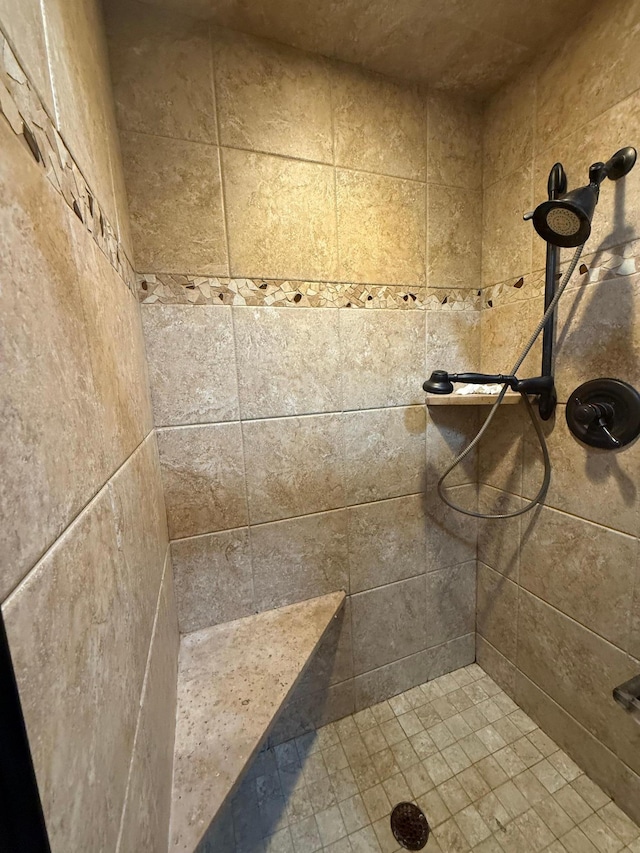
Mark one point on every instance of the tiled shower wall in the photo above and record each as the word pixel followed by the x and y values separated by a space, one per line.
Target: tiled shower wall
pixel 559 590
pixel 85 578
pixel 297 456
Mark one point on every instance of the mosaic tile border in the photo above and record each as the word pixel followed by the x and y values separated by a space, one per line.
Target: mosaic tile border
pixel 622 260
pixel 24 111
pixel 172 289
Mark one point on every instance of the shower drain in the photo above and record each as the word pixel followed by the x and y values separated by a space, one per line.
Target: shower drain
pixel 409 826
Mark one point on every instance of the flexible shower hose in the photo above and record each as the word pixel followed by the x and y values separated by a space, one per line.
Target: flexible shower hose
pixel 534 420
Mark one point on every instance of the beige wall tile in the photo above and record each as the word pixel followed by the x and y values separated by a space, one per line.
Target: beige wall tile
pixel 587 482
pixel 509 130
pixel 634 635
pixel 451 603
pixel 454 148
pixel 288 233
pixel 451 536
pixel 293 466
pixel 605 768
pixel 386 542
pixel 272 98
pixel 116 348
pixel 384 453
pixel 453 341
pixel 22 22
pixel 496 665
pixel 382 357
pixel 505 331
pixel 499 539
pixel 299 558
pixel 51 461
pixel 497 611
pixel 379 125
pixel 500 451
pixel 598 335
pixel 388 623
pixel 582 569
pixel 191 363
pixel 392 678
pixel 203 478
pixel 289 362
pixel 452 655
pixel 81 84
pixel 381 228
pixel 175 202
pixel 594 69
pixel 136 493
pixel 161 72
pixel 454 237
pixel 74 632
pixel 616 218
pixel 558 655
pixel 213 579
pixel 145 820
pixel 449 431
pixel 506 237
pixel 121 198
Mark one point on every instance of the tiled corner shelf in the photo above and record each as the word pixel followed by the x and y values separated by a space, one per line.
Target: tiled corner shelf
pixel 471 399
pixel 233 679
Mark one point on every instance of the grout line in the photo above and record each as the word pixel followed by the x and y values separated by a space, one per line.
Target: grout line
pixel 143 696
pixel 331 413
pixel 244 461
pixel 562 511
pixel 66 530
pixel 221 165
pixel 280 156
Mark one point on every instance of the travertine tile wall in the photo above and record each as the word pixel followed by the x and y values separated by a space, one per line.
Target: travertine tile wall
pixel 85 580
pixel 297 456
pixel 559 590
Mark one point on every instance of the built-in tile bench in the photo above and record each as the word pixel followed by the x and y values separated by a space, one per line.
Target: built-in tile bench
pixel 233 679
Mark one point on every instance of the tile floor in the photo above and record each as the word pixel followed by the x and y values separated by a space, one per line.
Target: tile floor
pixel 488 779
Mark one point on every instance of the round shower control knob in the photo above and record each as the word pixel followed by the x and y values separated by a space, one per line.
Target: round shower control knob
pixel 604 413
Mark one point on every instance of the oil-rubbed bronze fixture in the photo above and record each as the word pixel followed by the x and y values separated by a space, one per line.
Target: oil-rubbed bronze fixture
pixel 604 413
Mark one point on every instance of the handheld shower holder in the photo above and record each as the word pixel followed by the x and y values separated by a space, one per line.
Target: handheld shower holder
pixel 441 382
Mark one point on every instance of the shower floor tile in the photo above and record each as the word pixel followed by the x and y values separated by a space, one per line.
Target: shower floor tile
pixel 487 778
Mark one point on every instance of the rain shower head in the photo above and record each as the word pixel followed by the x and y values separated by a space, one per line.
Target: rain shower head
pixel 566 221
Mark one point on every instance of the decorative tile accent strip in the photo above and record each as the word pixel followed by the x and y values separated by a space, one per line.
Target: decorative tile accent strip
pixel 620 260
pixel 21 106
pixel 171 289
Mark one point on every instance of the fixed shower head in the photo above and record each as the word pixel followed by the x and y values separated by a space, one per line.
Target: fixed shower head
pixel 566 221
pixel 438 383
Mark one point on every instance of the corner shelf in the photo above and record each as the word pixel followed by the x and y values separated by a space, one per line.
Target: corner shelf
pixel 509 399
pixel 233 679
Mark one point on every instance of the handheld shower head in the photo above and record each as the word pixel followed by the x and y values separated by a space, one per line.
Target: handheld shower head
pixel 566 221
pixel 438 383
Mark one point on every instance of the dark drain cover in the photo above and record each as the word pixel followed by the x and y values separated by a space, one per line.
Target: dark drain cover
pixel 409 826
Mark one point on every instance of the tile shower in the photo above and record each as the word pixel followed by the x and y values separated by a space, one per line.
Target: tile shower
pixel 230 267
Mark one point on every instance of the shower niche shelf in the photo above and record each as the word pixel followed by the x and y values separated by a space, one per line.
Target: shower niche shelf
pixel 470 399
pixel 233 679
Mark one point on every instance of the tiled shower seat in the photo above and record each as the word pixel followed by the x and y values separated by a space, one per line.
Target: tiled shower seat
pixel 233 679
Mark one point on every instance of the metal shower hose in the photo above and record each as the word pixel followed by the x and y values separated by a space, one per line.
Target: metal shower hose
pixel 534 420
